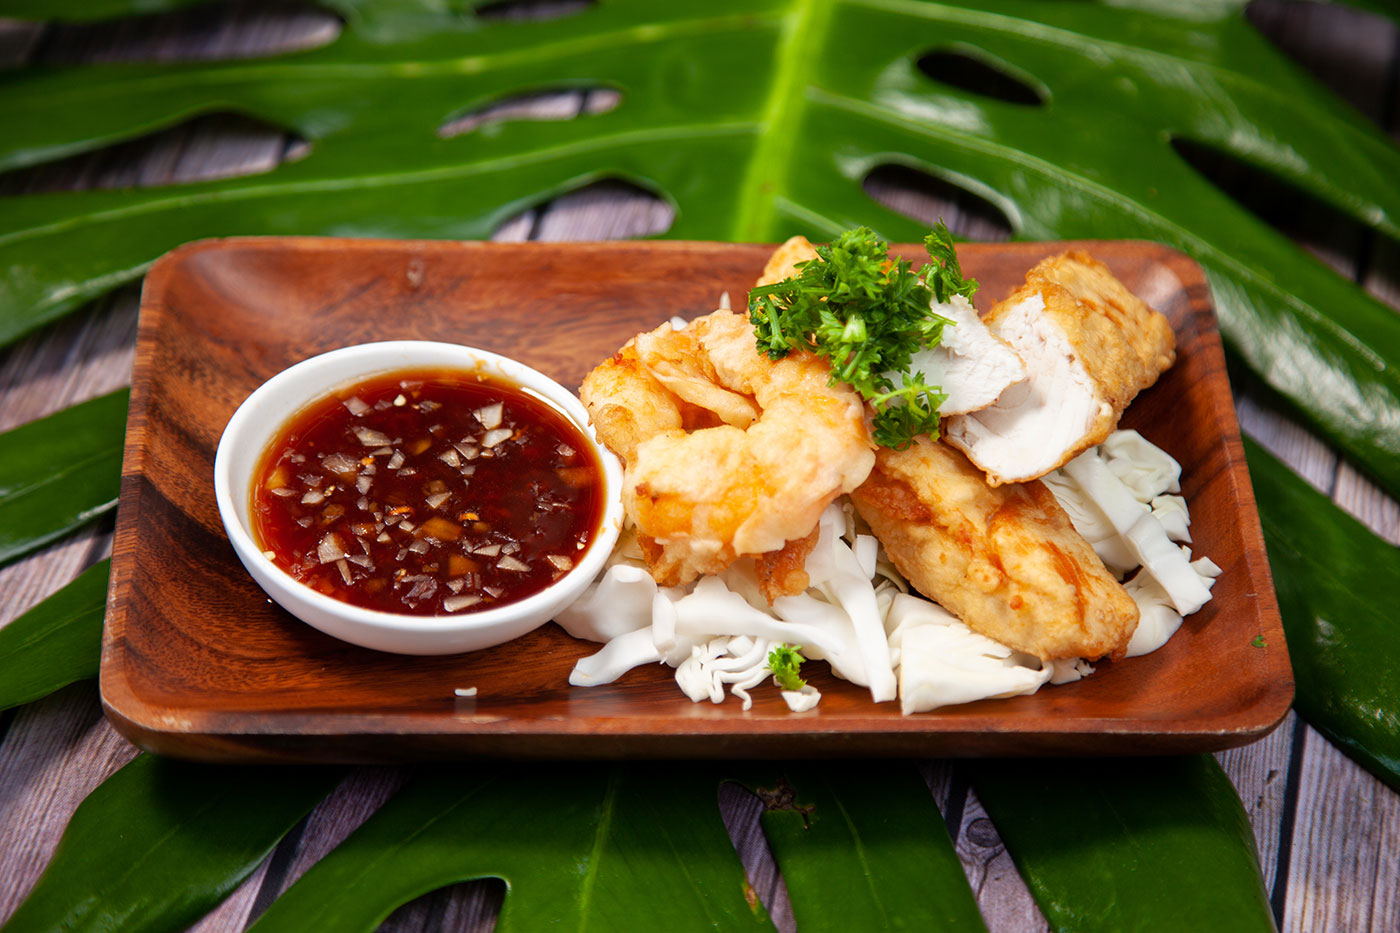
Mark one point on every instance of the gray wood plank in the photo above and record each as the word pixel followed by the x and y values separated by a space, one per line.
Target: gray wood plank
pixel 543 105
pixel 56 750
pixel 1364 499
pixel 232 916
pixel 1342 872
pixel 741 810
pixel 352 802
pixel 1260 773
pixel 516 229
pixel 17 41
pixel 349 805
pixel 467 907
pixel 1351 51
pixel 1348 837
pixel 928 200
pixel 1006 903
pixel 30 580
pixel 1289 441
pixel 80 357
pixel 605 210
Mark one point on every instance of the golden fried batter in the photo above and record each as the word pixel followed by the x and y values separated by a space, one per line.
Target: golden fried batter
pixel 784 572
pixel 1125 343
pixel 1090 347
pixel 726 452
pixel 783 263
pixel 1005 559
pixel 625 404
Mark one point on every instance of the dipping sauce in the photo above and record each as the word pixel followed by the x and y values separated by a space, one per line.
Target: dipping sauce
pixel 428 492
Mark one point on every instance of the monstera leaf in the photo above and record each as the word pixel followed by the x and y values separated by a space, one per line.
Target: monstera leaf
pixel 861 845
pixel 59 473
pixel 758 120
pixel 160 842
pixel 55 643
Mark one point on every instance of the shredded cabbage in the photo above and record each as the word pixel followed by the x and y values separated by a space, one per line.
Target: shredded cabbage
pixel 618 603
pixel 1171 512
pixel 1146 469
pixel 948 663
pixel 737 661
pixel 859 616
pixel 1139 530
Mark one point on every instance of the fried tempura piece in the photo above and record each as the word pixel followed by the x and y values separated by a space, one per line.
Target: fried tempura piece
pixel 726 452
pixel 626 405
pixel 783 263
pixel 1005 560
pixel 1090 346
pixel 784 572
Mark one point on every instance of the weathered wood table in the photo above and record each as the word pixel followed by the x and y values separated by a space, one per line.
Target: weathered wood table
pixel 1328 833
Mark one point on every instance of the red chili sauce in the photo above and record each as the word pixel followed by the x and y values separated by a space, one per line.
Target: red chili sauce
pixel 428 492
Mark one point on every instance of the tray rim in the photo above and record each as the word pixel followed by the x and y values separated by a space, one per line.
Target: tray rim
pixel 259 737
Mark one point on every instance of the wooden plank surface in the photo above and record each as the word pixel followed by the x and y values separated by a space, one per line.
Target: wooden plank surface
pixel 1328 832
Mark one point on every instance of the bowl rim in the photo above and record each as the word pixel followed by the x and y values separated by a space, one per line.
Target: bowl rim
pixel 243 427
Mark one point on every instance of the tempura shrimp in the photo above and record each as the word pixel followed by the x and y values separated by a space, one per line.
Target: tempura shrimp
pixel 727 453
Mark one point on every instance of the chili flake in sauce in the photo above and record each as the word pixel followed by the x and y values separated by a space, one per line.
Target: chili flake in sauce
pixel 428 492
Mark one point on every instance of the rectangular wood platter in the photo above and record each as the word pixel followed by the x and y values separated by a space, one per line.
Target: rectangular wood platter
pixel 198 663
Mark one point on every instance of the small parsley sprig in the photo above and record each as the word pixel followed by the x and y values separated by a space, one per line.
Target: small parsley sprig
pixel 867 315
pixel 785 661
pixel 947 279
pixel 896 425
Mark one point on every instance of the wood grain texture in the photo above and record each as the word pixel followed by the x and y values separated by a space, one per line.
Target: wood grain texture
pixel 1002 894
pixel 1349 827
pixel 1260 775
pixel 352 802
pixel 230 29
pixel 197 663
pixel 741 808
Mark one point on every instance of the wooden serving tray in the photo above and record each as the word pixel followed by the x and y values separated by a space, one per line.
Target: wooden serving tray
pixel 198 663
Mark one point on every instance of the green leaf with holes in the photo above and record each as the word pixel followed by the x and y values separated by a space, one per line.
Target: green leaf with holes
pixel 59 473
pixel 758 120
pixel 642 847
pixel 608 847
pixel 755 120
pixel 55 643
pixel 588 846
pixel 159 844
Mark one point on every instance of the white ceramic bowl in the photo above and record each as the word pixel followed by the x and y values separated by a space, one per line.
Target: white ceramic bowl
pixel 262 416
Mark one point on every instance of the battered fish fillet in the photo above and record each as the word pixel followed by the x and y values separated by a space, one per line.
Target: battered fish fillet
pixel 974 367
pixel 1005 559
pixel 1090 345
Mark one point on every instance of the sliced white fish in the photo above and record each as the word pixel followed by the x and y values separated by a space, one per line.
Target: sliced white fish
pixel 972 365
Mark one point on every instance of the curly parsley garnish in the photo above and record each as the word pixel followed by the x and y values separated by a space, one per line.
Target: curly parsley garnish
pixel 867 315
pixel 785 661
